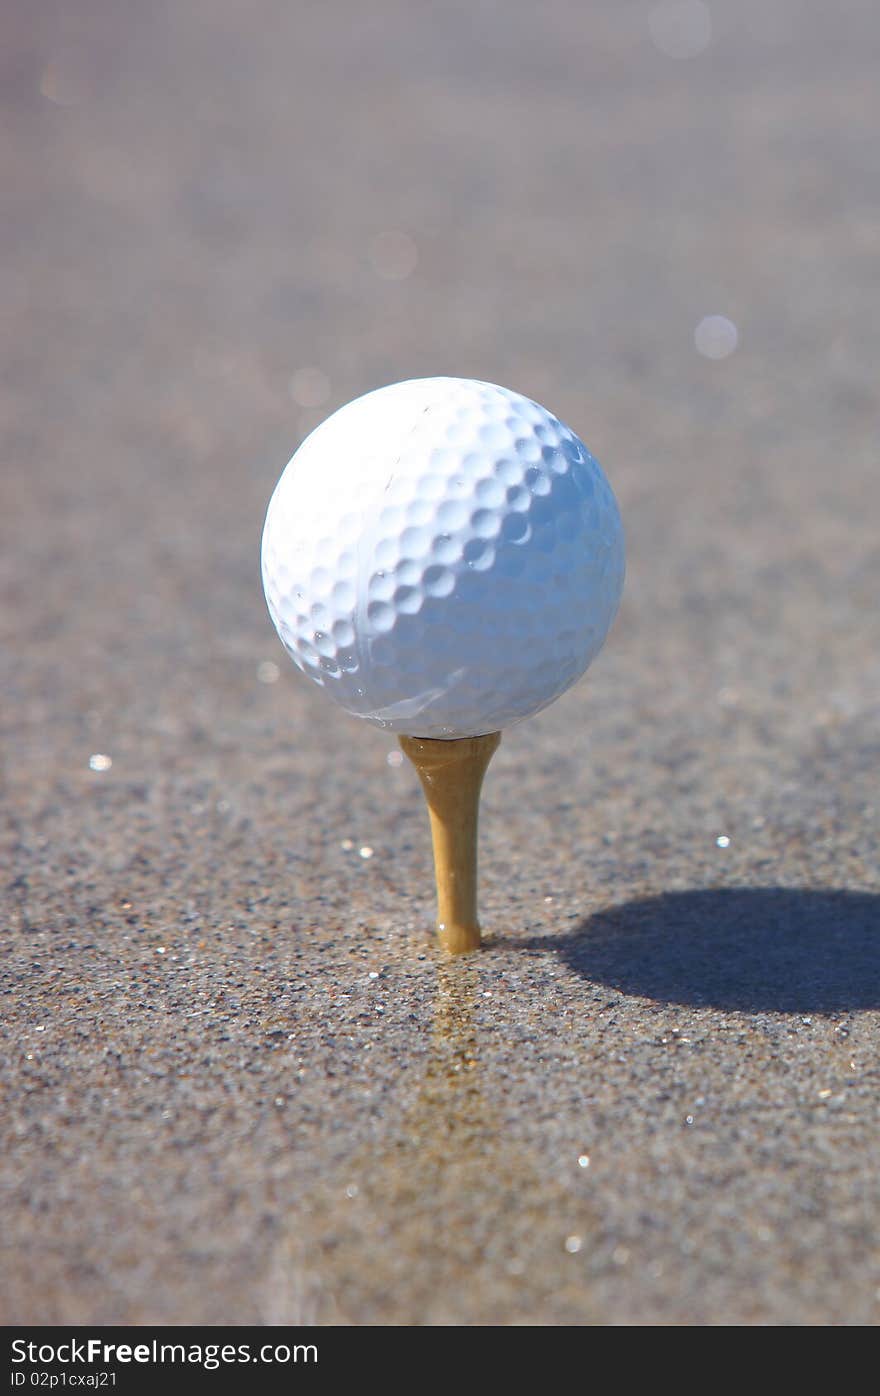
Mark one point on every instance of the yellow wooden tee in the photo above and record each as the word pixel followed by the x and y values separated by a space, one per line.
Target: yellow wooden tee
pixel 452 773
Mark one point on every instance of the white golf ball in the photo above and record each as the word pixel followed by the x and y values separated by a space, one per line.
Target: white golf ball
pixel 444 557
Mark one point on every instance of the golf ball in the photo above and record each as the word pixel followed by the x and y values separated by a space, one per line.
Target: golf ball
pixel 443 556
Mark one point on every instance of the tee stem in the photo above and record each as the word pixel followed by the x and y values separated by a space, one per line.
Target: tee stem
pixel 452 773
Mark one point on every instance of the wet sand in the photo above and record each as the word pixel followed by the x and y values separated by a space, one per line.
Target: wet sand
pixel 238 1083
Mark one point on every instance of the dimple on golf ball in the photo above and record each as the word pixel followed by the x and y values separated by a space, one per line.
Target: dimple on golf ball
pixel 443 556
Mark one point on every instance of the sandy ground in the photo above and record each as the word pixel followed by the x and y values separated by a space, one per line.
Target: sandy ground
pixel 238 1083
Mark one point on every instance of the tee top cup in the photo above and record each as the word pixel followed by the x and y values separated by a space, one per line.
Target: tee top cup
pixel 444 558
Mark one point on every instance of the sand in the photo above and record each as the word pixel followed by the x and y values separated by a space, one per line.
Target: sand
pixel 239 1083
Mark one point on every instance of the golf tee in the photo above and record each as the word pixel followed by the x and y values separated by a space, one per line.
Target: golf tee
pixel 452 774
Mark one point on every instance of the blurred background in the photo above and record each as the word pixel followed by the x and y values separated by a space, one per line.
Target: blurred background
pixel 661 219
pixel 221 221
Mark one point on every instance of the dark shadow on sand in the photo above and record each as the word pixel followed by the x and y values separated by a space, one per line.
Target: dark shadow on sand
pixel 752 948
